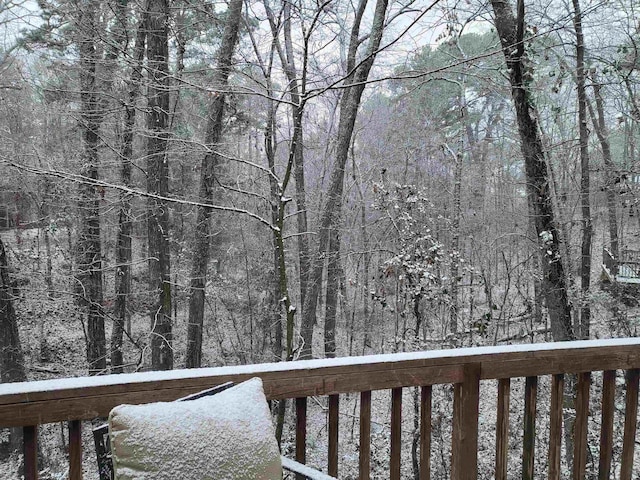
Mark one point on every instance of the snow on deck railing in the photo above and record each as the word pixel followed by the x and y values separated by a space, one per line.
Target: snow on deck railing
pixel 303 365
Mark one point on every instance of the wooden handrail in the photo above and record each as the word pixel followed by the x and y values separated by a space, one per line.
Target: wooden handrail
pixel 32 403
pixel 85 398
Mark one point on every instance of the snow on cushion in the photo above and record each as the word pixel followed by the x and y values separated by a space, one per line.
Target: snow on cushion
pixel 226 436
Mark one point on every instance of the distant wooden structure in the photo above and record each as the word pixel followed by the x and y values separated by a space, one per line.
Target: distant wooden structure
pixel 625 269
pixel 15 207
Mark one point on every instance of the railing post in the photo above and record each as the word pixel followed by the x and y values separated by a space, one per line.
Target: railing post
pixel 396 433
pixel 529 437
pixel 425 433
pixel 630 420
pixel 606 430
pixel 30 442
pixel 75 450
pixel 555 429
pixel 364 464
pixel 580 426
pixel 502 428
pixel 301 432
pixel 334 405
pixel 466 399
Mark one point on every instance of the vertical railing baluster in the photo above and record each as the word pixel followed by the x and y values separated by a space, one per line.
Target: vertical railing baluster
pixel 606 429
pixel 555 430
pixel 466 402
pixel 30 450
pixel 630 419
pixel 75 450
pixel 502 428
pixel 580 426
pixel 364 464
pixel 334 403
pixel 396 433
pixel 425 433
pixel 529 441
pixel 301 432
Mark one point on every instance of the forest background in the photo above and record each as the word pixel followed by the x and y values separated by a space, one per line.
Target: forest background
pixel 189 183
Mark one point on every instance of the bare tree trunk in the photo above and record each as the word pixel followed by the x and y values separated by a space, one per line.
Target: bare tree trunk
pixel 538 293
pixel 366 255
pixel 465 128
pixel 611 173
pixel 158 183
pixel 276 314
pixel 270 142
pixel 301 202
pixel 365 275
pixel 46 220
pixel 11 356
pixel 349 104
pixel 123 250
pixel 511 33
pixel 455 231
pixel 210 165
pixel 89 253
pixel 635 107
pixel 587 227
pixel 455 243
pixel 331 303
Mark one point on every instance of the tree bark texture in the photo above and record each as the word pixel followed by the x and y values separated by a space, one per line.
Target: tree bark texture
pixel 511 33
pixel 611 173
pixel 587 227
pixel 366 255
pixel 455 235
pixel 11 357
pixel 331 302
pixel 296 87
pixel 89 252
pixel 331 213
pixel 210 164
pixel 123 250
pixel 301 202
pixel 270 143
pixel 158 184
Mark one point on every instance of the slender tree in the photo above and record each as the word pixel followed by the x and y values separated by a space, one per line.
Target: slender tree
pixel 288 60
pixel 331 300
pixel 511 32
pixel 210 165
pixel 125 223
pixel 587 227
pixel 89 250
pixel 355 83
pixel 158 183
pixel 11 356
pixel 611 171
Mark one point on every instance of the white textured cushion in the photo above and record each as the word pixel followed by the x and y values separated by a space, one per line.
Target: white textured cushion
pixel 226 436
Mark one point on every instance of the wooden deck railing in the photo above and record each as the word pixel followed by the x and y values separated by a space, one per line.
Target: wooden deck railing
pixel 33 403
pixel 625 269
